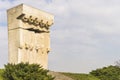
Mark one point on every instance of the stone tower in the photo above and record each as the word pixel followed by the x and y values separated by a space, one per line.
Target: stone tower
pixel 29 35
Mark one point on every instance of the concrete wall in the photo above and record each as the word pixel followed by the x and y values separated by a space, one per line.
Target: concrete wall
pixel 29 35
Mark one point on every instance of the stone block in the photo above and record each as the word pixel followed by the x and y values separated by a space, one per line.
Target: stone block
pixel 29 35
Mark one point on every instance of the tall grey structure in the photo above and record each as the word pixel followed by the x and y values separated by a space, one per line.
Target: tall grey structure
pixel 29 35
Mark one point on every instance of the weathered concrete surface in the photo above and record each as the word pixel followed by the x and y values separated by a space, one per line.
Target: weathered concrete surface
pixel 29 35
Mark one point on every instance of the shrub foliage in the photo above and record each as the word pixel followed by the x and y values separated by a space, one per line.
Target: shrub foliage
pixel 107 73
pixel 25 71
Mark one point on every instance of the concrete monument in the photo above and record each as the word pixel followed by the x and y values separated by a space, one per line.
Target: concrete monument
pixel 29 35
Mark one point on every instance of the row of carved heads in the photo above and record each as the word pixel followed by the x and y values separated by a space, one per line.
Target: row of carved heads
pixel 34 21
pixel 37 48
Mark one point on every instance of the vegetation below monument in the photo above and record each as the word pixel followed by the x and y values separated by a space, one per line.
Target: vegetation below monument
pixel 105 73
pixel 24 71
pixel 1 73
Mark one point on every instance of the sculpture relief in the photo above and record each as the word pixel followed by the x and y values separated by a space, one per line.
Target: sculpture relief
pixel 29 37
pixel 37 48
pixel 34 21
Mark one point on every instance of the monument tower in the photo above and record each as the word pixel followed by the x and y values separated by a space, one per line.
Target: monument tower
pixel 29 35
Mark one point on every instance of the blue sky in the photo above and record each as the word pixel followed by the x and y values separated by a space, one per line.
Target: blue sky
pixel 85 34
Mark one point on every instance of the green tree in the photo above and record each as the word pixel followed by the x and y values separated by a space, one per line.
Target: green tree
pixel 107 73
pixel 25 71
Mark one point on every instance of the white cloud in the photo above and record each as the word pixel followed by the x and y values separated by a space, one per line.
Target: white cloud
pixel 3 46
pixel 86 32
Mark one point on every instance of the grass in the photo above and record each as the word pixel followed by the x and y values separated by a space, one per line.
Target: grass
pixel 1 72
pixel 77 76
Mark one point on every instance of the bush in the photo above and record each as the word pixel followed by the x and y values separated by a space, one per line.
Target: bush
pixel 107 73
pixel 25 71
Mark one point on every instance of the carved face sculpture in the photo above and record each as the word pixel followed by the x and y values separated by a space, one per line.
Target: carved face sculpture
pixel 33 44
pixel 40 25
